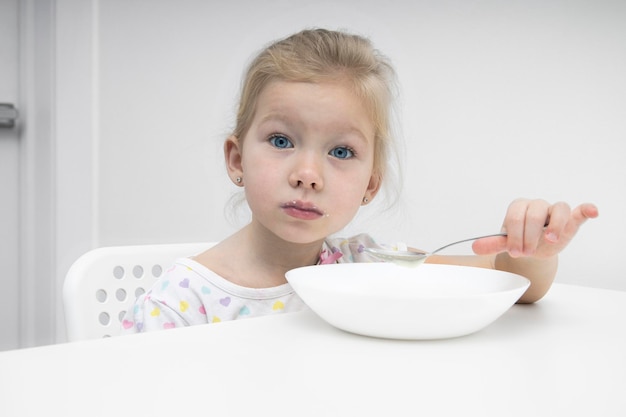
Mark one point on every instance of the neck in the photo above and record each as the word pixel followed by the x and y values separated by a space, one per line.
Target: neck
pixel 255 257
pixel 276 253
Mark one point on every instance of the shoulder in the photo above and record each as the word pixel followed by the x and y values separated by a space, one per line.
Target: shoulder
pixel 189 280
pixel 172 301
pixel 186 294
pixel 179 278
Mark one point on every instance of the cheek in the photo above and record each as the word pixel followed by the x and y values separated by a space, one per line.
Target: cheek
pixel 259 182
pixel 350 192
pixel 360 181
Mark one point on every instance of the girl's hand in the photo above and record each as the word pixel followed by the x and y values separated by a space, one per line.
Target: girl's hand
pixel 536 228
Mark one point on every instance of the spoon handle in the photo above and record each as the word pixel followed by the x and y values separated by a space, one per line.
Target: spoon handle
pixel 466 240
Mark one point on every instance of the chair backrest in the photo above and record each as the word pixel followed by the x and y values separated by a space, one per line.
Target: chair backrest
pixel 103 283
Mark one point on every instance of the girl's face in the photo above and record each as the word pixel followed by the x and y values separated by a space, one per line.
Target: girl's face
pixel 307 159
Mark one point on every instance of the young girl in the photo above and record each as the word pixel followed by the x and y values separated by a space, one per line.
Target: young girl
pixel 309 148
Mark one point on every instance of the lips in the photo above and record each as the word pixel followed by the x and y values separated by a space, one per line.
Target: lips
pixel 302 210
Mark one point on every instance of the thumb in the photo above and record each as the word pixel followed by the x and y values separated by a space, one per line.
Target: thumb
pixel 489 245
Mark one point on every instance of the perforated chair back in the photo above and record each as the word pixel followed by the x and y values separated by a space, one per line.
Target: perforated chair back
pixel 103 284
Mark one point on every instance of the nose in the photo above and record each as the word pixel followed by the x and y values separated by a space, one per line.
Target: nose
pixel 307 173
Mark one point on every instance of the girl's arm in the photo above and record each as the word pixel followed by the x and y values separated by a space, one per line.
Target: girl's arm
pixel 537 233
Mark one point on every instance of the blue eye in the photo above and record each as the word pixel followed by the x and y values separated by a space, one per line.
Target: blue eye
pixel 341 152
pixel 281 142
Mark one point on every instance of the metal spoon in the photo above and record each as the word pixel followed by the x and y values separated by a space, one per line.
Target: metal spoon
pixel 414 258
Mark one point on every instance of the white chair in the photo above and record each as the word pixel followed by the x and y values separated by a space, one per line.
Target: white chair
pixel 103 283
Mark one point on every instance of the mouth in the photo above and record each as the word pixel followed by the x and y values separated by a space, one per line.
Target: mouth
pixel 302 210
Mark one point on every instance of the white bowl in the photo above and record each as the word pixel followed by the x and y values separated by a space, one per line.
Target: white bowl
pixel 391 301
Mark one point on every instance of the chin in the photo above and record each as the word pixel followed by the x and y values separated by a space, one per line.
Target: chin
pixel 301 237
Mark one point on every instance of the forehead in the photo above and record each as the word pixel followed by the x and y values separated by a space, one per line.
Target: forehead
pixel 326 105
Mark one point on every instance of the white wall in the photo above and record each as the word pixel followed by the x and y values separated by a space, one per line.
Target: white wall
pixel 500 99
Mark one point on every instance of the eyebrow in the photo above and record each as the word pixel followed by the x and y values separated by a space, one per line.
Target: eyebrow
pixel 276 116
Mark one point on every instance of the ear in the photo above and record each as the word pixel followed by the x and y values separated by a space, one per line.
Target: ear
pixel 373 187
pixel 232 157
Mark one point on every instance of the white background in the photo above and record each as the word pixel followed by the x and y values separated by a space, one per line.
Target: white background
pixel 498 100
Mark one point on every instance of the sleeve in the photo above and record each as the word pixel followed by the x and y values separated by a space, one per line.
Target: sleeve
pixel 173 301
pixel 149 313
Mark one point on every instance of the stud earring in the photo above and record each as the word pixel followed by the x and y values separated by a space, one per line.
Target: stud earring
pixel 238 179
pixel 365 200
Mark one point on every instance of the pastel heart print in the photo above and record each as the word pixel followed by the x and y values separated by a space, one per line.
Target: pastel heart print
pixel 184 305
pixel 169 325
pixel 155 312
pixel 164 285
pixel 202 310
pixel 139 326
pixel 216 319
pixel 244 311
pixel 184 283
pixel 127 324
pixel 225 301
pixel 205 290
pixel 278 305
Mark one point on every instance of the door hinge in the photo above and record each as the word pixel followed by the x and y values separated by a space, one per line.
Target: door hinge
pixel 8 115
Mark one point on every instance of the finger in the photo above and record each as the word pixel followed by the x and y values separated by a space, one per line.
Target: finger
pixel 513 225
pixel 586 211
pixel 579 216
pixel 537 215
pixel 559 217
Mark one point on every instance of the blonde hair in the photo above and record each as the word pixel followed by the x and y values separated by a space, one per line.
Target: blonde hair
pixel 319 55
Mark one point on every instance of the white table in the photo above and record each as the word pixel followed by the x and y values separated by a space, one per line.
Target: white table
pixel 564 356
